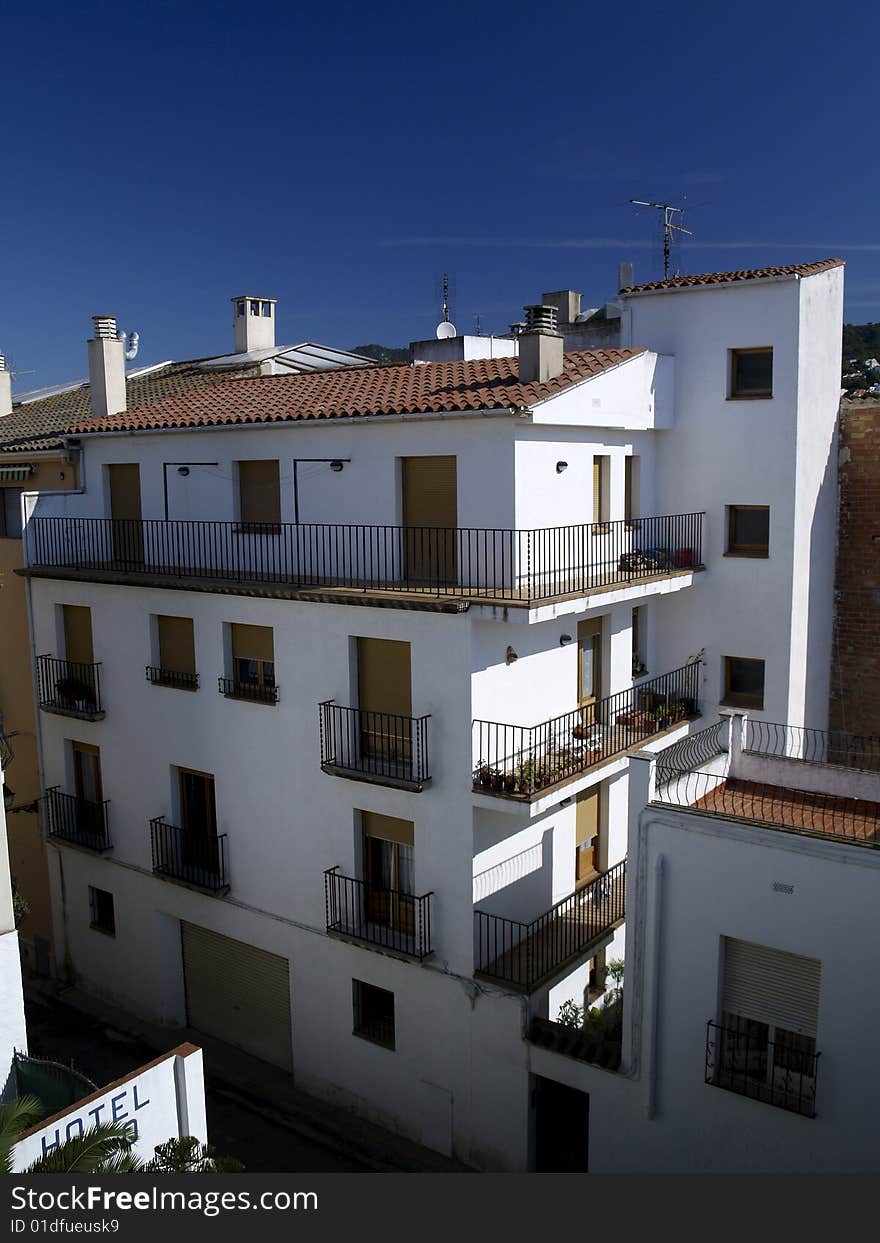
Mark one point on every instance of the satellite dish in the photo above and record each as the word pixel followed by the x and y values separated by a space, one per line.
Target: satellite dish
pixel 445 330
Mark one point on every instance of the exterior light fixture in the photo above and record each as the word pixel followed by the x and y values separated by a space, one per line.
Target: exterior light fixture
pixel 183 470
pixel 336 466
pixel 560 467
pixel 563 639
pixel 511 655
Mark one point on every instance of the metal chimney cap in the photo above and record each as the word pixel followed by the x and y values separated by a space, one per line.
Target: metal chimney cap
pixel 104 327
pixel 2 362
pixel 540 318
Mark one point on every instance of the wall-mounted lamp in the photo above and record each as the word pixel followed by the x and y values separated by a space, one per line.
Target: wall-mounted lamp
pixel 337 466
pixel 565 802
pixel 563 639
pixel 183 470
pixel 560 467
pixel 511 655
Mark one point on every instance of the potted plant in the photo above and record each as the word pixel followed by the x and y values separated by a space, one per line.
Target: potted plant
pixel 74 691
pixel 638 666
pixel 509 782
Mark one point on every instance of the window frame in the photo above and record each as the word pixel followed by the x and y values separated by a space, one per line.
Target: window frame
pixel 370 1028
pixel 758 551
pixel 95 922
pixel 5 533
pixel 742 699
pixel 734 392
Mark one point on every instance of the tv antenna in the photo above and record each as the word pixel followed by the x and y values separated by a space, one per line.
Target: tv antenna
pixel 669 227
pixel 445 329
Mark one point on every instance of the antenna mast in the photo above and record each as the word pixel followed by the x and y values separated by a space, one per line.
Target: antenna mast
pixel 445 329
pixel 669 227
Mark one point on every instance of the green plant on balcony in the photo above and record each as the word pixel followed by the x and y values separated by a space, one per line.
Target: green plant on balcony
pixel 638 666
pixel 74 691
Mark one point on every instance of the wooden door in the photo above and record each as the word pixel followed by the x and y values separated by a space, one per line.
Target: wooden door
pixel 430 516
pixel 385 699
pixel 589 669
pixel 89 806
pixel 125 511
pixel 199 847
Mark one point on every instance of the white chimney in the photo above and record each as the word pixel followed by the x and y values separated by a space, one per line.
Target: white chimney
pixel 5 388
pixel 106 368
pixel 540 346
pixel 253 322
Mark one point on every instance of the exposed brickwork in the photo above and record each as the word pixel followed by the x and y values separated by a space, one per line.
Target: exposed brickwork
pixel 855 672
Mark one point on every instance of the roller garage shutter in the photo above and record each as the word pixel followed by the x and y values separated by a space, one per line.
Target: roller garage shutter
pixel 237 993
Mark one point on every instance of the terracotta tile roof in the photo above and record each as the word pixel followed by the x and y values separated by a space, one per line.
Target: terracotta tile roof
pixel 731 278
pixel 39 425
pixel 482 384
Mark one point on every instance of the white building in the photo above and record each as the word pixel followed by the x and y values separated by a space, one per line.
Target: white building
pixel 13 1033
pixel 442 605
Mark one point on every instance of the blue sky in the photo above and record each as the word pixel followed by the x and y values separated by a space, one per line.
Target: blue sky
pixel 159 158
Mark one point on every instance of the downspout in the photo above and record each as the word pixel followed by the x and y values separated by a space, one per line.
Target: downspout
pixel 656 980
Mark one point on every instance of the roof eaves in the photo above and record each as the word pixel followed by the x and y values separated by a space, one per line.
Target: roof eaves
pixel 637 352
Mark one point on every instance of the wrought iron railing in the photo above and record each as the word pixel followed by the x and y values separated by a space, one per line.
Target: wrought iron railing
pixel 78 820
pixel 586 1045
pixel 525 955
pixel 172 677
pixel 523 760
pixel 264 693
pixel 378 745
pixel 196 858
pixel 781 1073
pixel 460 562
pixel 389 918
pixel 69 686
pixel 812 746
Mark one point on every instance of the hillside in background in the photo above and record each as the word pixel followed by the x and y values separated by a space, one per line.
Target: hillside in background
pixel 382 353
pixel 860 342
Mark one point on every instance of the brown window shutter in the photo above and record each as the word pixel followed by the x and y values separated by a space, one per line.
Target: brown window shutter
pixel 78 634
pixel 384 676
pixel 177 650
pixel 430 492
pixel 252 643
pixel 587 815
pixel 259 485
pixel 388 828
pixel 125 490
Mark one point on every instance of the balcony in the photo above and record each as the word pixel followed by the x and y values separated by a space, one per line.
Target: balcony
pixel 524 762
pixel 78 821
pixel 379 747
pixel 780 1074
pixel 173 678
pixel 387 918
pixel 192 858
pixel 255 692
pixel 70 688
pixel 495 566
pixel 525 956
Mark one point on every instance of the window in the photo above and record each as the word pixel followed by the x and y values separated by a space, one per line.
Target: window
pixel 601 479
pixel 748 530
pixel 259 494
pixel 639 643
pixel 597 977
pixel 373 1013
pixel 388 871
pixel 743 682
pixel 101 914
pixel 253 664
pixel 266 308
pixel 751 373
pixel 240 309
pixel 255 308
pixel 631 489
pixel 764 1044
pixel 588 830
pixel 10 513
pixel 177 654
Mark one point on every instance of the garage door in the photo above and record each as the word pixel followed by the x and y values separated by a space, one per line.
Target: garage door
pixel 237 993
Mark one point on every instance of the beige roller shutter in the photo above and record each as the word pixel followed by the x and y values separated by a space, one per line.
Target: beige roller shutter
pixel 252 642
pixel 260 491
pixel 125 490
pixel 237 993
pixel 78 634
pixel 587 815
pixel 384 676
pixel 771 986
pixel 388 828
pixel 177 650
pixel 430 492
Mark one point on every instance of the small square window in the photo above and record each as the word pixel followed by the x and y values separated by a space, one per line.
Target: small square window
pixel 101 914
pixel 266 308
pixel 748 530
pixel 373 1013
pixel 240 308
pixel 255 308
pixel 743 682
pixel 751 372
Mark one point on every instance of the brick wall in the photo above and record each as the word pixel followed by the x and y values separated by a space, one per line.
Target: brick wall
pixel 855 670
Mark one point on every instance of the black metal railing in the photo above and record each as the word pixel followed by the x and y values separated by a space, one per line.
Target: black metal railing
pixel 172 677
pixel 844 819
pixel 264 693
pixel 385 917
pixel 69 685
pixel 377 745
pixel 196 858
pixel 781 1073
pixel 524 955
pixel 78 820
pixel 812 746
pixel 461 562
pixel 585 1045
pixel 523 760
